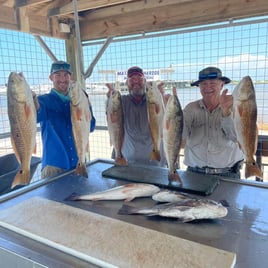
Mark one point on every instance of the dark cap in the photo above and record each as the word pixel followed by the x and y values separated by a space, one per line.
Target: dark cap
pixel 60 66
pixel 135 70
pixel 210 73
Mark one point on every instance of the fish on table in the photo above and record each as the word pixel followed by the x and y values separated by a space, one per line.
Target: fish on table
pixel 80 117
pixel 172 135
pixel 115 122
pixel 245 123
pixel 155 110
pixel 170 196
pixel 125 192
pixel 22 119
pixel 185 210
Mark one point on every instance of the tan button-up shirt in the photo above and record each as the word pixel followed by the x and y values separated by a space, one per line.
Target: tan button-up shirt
pixel 210 138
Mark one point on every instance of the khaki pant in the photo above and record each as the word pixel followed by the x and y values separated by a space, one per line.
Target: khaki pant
pixel 49 171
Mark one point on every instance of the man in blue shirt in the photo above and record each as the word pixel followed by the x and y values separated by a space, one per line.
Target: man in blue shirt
pixel 54 116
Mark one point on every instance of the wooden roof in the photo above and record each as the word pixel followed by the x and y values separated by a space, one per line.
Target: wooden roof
pixel 108 18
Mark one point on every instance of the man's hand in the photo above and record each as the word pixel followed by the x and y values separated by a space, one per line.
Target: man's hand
pixel 161 88
pixel 110 90
pixel 226 103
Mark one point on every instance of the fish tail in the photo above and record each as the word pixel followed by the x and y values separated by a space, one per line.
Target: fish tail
pixel 174 177
pixel 252 169
pixel 155 155
pixel 121 161
pixel 81 169
pixel 126 210
pixel 22 177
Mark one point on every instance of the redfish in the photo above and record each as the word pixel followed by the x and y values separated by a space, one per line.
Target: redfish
pixel 172 135
pixel 22 118
pixel 155 110
pixel 115 122
pixel 245 123
pixel 125 192
pixel 80 117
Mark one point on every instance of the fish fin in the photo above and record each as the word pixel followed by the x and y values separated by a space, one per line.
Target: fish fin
pixel 157 108
pixel 240 110
pixel 239 145
pixel 27 110
pixel 155 155
pixel 174 177
pixel 129 199
pixel 121 161
pixel 81 169
pixel 15 149
pixel 79 113
pixel 88 116
pixel 22 177
pixel 126 209
pixel 167 124
pixel 187 219
pixel 113 117
pixel 34 149
pixel 252 169
pixel 256 139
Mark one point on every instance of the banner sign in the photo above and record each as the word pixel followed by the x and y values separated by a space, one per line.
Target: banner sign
pixel 150 75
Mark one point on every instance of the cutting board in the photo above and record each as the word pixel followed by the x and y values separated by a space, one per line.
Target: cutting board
pixel 107 242
pixel 195 183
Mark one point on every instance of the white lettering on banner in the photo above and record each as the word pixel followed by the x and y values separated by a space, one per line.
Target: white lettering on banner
pixel 150 75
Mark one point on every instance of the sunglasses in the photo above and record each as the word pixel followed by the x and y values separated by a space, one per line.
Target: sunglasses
pixel 208 76
pixel 60 67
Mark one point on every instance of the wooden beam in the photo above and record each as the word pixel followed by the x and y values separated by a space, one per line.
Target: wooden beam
pixel 8 19
pixel 132 7
pixel 28 3
pixel 8 3
pixel 23 19
pixel 173 16
pixel 85 5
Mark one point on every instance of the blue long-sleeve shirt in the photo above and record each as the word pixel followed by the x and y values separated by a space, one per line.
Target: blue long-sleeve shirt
pixel 54 116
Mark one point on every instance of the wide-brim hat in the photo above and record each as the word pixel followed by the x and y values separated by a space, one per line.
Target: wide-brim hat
pixel 210 73
pixel 60 66
pixel 135 70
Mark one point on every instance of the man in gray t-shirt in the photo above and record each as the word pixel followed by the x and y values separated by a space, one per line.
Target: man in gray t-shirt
pixel 137 145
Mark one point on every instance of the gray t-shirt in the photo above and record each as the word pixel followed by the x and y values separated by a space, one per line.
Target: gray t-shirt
pixel 138 145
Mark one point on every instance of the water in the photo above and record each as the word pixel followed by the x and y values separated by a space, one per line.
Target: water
pixel 186 95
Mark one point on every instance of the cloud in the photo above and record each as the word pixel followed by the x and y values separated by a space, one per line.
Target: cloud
pixel 244 64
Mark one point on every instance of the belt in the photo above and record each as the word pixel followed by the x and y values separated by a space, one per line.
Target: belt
pixel 209 170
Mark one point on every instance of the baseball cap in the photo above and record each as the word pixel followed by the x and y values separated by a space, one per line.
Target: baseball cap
pixel 210 73
pixel 135 70
pixel 60 66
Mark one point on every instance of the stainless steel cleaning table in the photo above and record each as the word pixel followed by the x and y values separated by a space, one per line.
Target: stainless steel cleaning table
pixel 243 231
